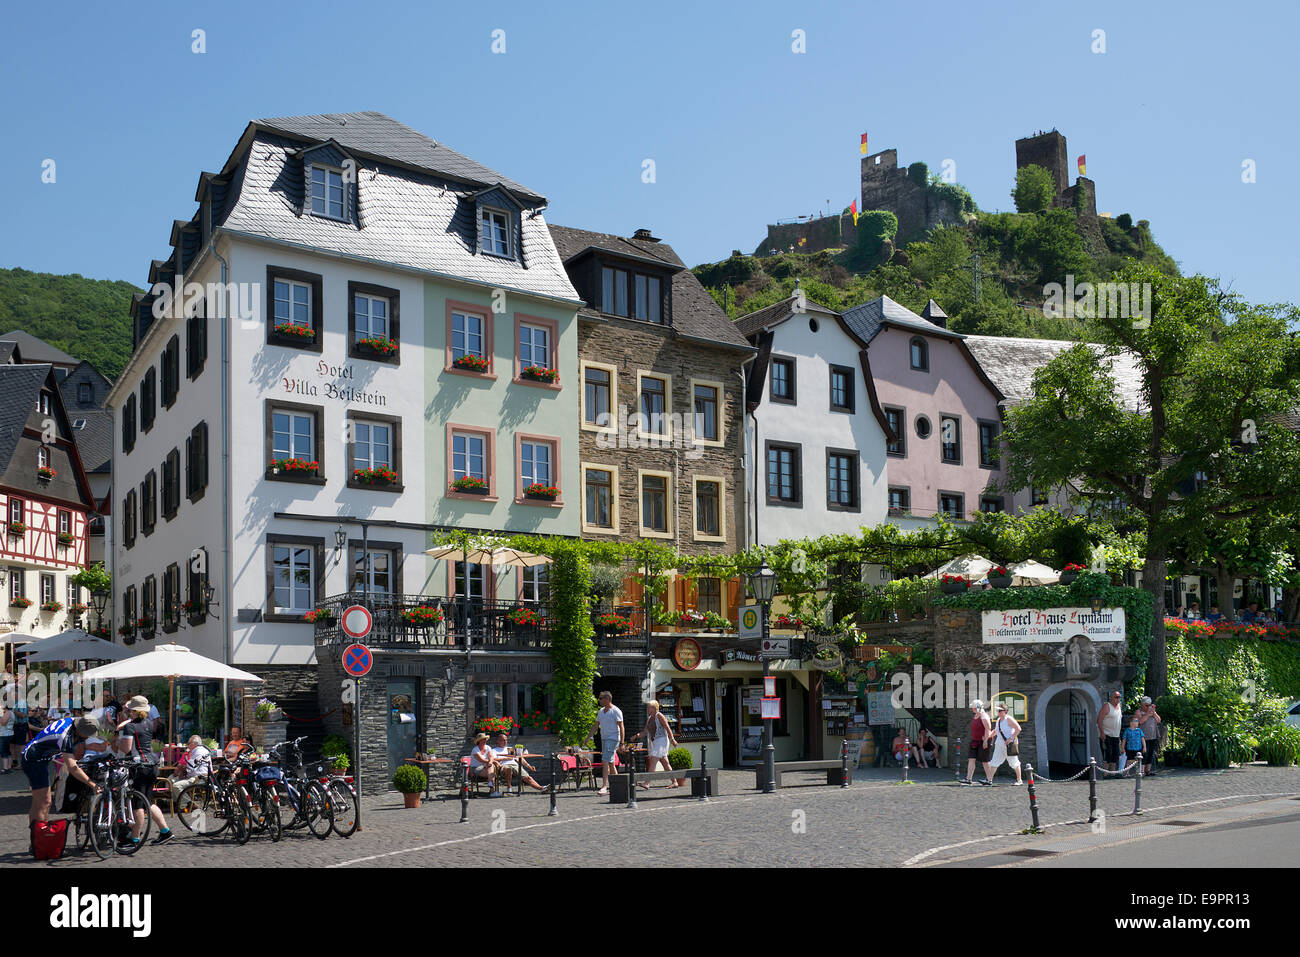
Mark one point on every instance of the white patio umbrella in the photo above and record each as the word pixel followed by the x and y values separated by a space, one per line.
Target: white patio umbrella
pixel 17 638
pixel 85 648
pixel 969 566
pixel 1031 572
pixel 51 642
pixel 170 662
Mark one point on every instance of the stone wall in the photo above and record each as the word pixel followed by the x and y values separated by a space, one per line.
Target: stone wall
pixel 1049 151
pixel 827 232
pixel 886 185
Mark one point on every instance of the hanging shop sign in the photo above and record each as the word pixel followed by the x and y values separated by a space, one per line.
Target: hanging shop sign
pixel 1033 625
pixel 687 654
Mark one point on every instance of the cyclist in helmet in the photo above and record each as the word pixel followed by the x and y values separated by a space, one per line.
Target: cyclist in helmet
pixel 58 737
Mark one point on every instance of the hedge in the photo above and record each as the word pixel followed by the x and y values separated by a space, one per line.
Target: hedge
pixel 1197 664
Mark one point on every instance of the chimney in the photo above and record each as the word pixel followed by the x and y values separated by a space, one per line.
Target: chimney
pixel 644 235
pixel 934 313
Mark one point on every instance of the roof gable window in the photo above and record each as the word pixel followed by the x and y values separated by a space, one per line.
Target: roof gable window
pixel 329 183
pixel 327 192
pixel 497 214
pixel 494 232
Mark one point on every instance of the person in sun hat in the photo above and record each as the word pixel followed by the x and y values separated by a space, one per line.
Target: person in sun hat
pixel 141 730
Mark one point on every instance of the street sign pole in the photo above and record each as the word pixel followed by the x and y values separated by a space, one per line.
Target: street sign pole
pixel 356 623
pixel 356 747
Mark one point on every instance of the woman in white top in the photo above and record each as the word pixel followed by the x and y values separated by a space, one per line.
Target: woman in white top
pixel 1006 744
pixel 6 737
pixel 483 762
pixel 659 737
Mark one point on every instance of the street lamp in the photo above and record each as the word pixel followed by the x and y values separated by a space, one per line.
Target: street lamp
pixel 99 600
pixel 1097 603
pixel 763 584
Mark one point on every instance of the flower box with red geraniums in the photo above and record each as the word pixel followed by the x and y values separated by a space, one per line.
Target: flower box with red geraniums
pixel 319 614
pixel 379 345
pixel 612 622
pixel 289 330
pixel 1073 568
pixel 786 621
pixel 20 602
pixel 422 616
pixel 539 374
pixel 126 630
pixel 543 491
pixel 79 608
pixel 471 363
pixel 495 725
pixel 469 484
pixel 17 529
pixel 539 720
pixel 999 577
pixel 65 539
pixel 45 472
pixel 52 606
pixel 294 467
pixel 144 624
pixel 525 617
pixel 691 619
pixel 194 607
pixel 379 475
pixel 952 584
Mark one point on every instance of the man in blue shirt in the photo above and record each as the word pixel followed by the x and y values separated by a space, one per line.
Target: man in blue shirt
pixel 58 737
pixel 1133 741
pixel 1214 614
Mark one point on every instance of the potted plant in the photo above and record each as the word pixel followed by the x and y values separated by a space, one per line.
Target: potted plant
pixel 525 617
pixel 126 630
pixel 491 726
pixel 378 345
pixel 17 529
pixel 294 332
pixel 540 490
pixel 78 609
pixel 612 623
pixel 786 621
pixel 410 780
pixel 294 466
pixel 144 624
pixel 715 622
pixel 266 710
pixel 20 602
pixel 193 607
pixel 421 616
pixel 679 759
pixel 51 606
pixel 471 363
pixel 691 620
pixel 539 720
pixel 539 374
pixel 469 484
pixel 45 473
pixel 324 615
pixel 379 475
pixel 953 584
pixel 1070 573
pixel 999 577
pixel 65 539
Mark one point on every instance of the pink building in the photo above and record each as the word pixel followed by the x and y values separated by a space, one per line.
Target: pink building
pixel 943 410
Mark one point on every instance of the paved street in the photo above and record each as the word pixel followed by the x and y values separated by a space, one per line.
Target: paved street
pixel 877 822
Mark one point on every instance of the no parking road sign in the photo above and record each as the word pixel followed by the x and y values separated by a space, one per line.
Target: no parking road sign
pixel 356 622
pixel 357 660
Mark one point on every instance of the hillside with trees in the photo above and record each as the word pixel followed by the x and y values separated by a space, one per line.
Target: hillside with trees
pixel 86 318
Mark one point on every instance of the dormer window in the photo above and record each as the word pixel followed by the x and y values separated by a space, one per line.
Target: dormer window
pixel 494 232
pixel 919 352
pixel 327 192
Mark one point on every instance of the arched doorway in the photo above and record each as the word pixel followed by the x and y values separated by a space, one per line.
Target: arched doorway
pixel 1065 720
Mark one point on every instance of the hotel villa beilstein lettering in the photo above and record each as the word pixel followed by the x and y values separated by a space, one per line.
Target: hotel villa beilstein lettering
pixel 334 386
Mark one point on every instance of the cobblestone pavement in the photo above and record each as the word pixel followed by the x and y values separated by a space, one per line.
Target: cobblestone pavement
pixel 876 822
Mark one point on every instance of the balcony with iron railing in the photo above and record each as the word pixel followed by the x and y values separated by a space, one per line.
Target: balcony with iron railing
pixel 431 622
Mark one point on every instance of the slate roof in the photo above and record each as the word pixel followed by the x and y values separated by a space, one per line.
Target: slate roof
pixel 866 319
pixel 695 313
pixel 382 137
pixel 1011 362
pixel 8 349
pixel 37 350
pixel 410 218
pixel 776 313
pixel 95 441
pixel 19 386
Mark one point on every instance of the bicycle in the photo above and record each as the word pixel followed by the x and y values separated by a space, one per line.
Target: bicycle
pixel 309 799
pixel 114 810
pixel 261 780
pixel 342 796
pixel 208 808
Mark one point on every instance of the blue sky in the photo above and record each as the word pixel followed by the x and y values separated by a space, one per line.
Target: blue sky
pixel 742 130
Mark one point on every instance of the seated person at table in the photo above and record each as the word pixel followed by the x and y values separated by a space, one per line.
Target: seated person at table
pixel 1195 610
pixel 508 764
pixel 924 748
pixel 483 762
pixel 198 765
pixel 1251 614
pixel 1215 614
pixel 899 748
pixel 235 743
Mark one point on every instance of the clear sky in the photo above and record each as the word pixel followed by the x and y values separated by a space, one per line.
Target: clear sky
pixel 742 130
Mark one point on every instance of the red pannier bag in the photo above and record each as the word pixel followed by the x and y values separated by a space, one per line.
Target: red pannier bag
pixel 48 839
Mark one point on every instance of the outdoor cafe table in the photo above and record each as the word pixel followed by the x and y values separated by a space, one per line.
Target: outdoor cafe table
pixel 426 765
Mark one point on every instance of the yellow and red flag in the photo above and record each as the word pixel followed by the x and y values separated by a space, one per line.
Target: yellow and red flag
pixel 803 240
pixel 863 147
pixel 1083 166
pixel 853 208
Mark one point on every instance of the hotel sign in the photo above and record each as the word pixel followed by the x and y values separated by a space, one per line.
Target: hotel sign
pixel 1029 626
pixel 336 389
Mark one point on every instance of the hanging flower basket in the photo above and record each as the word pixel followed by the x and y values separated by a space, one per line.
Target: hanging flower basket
pixel 612 623
pixel 294 467
pixel 52 606
pixel 999 577
pixel 525 617
pixel 539 374
pixel 294 332
pixel 469 484
pixel 65 539
pixel 421 616
pixel 540 490
pixel 953 584
pixel 45 473
pixel 17 529
pixel 20 602
pixel 379 475
pixel 378 345
pixel 472 363
pixel 325 615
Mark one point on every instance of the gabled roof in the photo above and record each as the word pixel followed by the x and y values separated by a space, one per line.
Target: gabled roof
pixel 19 387
pixel 9 352
pixel 381 137
pixel 95 441
pixel 778 313
pixel 1011 362
pixel 869 318
pixel 695 313
pixel 37 350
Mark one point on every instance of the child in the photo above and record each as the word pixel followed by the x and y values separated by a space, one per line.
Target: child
pixel 1133 741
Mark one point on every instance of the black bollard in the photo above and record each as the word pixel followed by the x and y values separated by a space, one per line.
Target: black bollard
pixel 704 772
pixel 631 781
pixel 464 796
pixel 957 764
pixel 1092 790
pixel 1033 796
pixel 907 753
pixel 552 812
pixel 844 763
pixel 1137 789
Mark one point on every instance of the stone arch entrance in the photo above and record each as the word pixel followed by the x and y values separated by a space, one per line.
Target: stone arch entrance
pixel 1053 743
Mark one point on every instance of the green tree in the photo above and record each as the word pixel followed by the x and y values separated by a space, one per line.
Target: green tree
pixel 572 649
pixel 1035 189
pixel 1215 372
pixel 1051 245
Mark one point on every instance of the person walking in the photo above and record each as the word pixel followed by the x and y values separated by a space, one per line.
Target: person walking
pixel 20 726
pixel 1006 744
pixel 981 730
pixel 659 735
pixel 609 720
pixel 1133 741
pixel 1149 721
pixel 140 727
pixel 1109 720
pixel 6 737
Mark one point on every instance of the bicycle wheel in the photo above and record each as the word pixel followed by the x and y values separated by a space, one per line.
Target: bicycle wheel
pixel 268 803
pixel 81 825
pixel 316 808
pixel 198 808
pixel 103 835
pixel 133 803
pixel 242 815
pixel 343 805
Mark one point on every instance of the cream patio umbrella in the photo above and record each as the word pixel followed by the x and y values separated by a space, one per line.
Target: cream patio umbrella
pixel 1031 572
pixel 170 662
pixel 969 566
pixel 501 556
pixel 82 648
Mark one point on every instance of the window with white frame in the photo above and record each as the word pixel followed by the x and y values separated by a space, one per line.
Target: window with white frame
pixel 17 584
pixel 327 192
pixel 372 445
pixel 73 594
pixel 466 335
pixel 535 462
pixel 494 232
pixel 47 589
pixel 293 435
pixel 292 568
pixel 377 575
pixel 534 346
pixel 476 589
pixel 370 316
pixel 535 584
pixel 468 456
pixel 65 522
pixel 291 303
pixel 43 457
pixel 16 510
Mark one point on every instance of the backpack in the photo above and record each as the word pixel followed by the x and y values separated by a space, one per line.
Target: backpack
pixel 48 839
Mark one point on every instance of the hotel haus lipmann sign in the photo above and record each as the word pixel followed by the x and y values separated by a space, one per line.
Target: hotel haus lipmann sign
pixel 1050 625
pixel 336 386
